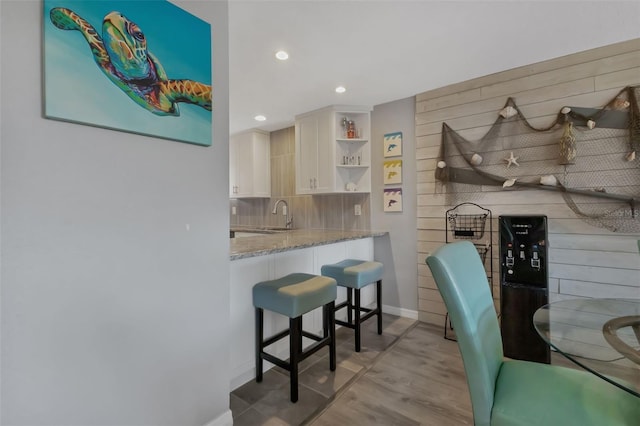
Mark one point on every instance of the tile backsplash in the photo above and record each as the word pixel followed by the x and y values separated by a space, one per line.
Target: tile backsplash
pixel 330 211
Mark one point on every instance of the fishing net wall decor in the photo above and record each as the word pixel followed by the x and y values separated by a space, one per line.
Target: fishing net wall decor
pixel 586 154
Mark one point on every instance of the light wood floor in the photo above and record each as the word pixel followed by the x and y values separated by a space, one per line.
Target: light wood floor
pixel 419 380
pixel 409 375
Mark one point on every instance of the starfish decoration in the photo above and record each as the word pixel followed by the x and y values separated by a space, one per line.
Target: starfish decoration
pixel 511 160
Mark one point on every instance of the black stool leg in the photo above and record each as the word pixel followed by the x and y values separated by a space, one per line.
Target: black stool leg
pixel 349 305
pixel 259 339
pixel 379 304
pixel 300 339
pixel 325 322
pixel 357 318
pixel 329 329
pixel 295 342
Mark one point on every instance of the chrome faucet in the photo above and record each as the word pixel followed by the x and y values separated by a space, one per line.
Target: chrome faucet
pixel 285 212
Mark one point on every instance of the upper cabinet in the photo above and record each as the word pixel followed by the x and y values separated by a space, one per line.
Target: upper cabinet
pixel 333 151
pixel 313 153
pixel 250 165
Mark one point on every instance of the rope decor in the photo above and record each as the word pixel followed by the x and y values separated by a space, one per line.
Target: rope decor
pixel 586 154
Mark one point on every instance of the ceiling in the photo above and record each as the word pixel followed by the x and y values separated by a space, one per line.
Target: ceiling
pixel 383 51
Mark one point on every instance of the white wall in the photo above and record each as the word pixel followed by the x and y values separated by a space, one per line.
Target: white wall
pixel 398 249
pixel 112 311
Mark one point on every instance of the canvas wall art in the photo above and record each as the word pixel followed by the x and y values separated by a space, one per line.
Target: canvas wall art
pixel 392 144
pixel 392 170
pixel 392 199
pixel 136 66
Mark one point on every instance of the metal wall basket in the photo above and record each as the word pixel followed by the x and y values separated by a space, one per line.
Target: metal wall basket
pixel 467 221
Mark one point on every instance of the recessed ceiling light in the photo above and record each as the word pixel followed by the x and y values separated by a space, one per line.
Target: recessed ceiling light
pixel 340 89
pixel 260 118
pixel 282 55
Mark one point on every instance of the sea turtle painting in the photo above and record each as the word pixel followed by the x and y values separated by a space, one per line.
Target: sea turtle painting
pixel 122 55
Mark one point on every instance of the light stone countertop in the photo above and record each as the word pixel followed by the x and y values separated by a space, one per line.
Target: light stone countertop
pixel 264 244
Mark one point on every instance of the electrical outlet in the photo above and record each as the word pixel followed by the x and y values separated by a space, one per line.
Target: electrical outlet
pixel 233 210
pixel 357 210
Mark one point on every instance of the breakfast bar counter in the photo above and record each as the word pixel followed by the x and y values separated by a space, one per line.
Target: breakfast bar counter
pixel 265 254
pixel 280 241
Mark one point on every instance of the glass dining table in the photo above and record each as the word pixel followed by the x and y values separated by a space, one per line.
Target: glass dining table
pixel 600 335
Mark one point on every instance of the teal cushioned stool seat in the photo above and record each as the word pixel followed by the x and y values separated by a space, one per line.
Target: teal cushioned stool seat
pixel 354 274
pixel 509 392
pixel 293 296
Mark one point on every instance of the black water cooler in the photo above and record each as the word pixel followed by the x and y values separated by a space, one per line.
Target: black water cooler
pixel 524 285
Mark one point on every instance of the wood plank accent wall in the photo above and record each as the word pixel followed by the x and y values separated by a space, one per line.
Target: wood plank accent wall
pixel 584 261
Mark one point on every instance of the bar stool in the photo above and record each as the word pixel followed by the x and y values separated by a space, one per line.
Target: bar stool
pixel 354 275
pixel 294 295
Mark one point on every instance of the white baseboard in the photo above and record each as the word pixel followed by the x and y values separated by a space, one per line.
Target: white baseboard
pixel 225 419
pixel 242 374
pixel 401 312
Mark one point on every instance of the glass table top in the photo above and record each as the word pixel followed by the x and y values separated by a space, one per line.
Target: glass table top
pixel 600 335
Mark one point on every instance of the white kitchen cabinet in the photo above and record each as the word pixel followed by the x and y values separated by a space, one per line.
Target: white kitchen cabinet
pixel 250 165
pixel 313 153
pixel 327 160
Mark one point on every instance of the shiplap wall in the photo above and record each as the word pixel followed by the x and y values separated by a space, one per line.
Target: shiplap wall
pixel 584 261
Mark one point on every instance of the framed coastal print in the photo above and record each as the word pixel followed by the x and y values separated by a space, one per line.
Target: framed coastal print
pixel 135 66
pixel 392 170
pixel 392 199
pixel 393 144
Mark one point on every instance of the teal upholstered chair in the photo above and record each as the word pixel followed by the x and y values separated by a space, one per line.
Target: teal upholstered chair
pixel 513 392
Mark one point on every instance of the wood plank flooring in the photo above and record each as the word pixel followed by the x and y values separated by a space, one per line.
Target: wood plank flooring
pixel 409 375
pixel 419 380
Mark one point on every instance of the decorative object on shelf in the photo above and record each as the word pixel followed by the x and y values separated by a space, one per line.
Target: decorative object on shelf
pixel 616 131
pixel 511 160
pixel 74 92
pixel 351 130
pixel 392 172
pixel 345 124
pixel 392 199
pixel 351 160
pixel 392 144
pixel 351 186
